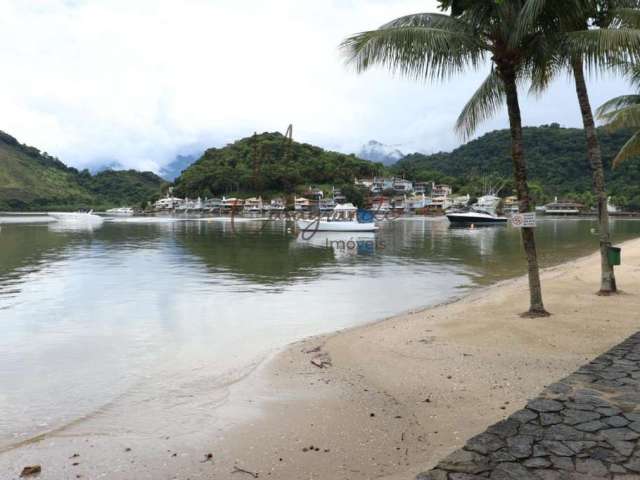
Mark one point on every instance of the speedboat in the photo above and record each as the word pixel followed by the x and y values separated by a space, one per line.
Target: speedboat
pixel 76 217
pixel 481 213
pixel 475 217
pixel 75 220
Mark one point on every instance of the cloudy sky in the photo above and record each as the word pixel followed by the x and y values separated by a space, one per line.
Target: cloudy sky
pixel 139 81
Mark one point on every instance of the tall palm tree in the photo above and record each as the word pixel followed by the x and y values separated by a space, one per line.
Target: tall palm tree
pixel 624 112
pixel 590 34
pixel 436 46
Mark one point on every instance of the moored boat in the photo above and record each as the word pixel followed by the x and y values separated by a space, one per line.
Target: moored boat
pixel 484 212
pixel 121 212
pixel 328 225
pixel 475 217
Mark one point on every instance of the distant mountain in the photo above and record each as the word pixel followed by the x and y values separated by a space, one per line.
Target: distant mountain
pixel 177 166
pixel 32 180
pixel 112 165
pixel 379 152
pixel 267 163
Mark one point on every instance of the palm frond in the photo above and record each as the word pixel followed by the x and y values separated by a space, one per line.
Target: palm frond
pixel 543 74
pixel 627 66
pixel 414 51
pixel 626 117
pixel 608 108
pixel 629 150
pixel 549 16
pixel 484 103
pixel 528 18
pixel 599 48
pixel 429 20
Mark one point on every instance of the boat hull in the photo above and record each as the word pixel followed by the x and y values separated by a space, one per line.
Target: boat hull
pixel 471 219
pixel 336 226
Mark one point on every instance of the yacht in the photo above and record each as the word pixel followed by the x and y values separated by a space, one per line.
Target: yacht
pixel 484 212
pixel 120 212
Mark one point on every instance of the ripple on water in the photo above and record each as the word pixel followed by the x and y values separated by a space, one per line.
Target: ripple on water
pixel 136 315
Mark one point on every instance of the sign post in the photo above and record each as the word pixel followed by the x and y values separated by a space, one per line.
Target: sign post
pixel 523 220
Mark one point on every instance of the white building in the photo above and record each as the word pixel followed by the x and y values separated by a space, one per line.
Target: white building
pixel 168 203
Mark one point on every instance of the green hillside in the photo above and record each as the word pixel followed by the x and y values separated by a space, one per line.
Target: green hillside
pixel 264 163
pixel 31 180
pixel 557 159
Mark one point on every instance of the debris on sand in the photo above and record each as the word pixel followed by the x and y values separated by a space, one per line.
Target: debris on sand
pixel 31 470
pixel 322 360
pixel 208 458
pixel 242 470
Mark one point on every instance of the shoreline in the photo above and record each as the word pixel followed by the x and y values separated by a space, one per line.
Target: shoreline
pixel 376 411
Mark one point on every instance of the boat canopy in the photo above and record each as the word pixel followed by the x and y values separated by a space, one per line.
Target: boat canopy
pixel 345 207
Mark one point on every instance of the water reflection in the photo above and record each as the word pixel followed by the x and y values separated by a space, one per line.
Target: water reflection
pixel 74 227
pixel 101 314
pixel 343 244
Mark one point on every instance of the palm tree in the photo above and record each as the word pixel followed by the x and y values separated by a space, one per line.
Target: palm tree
pixel 573 41
pixel 436 46
pixel 624 112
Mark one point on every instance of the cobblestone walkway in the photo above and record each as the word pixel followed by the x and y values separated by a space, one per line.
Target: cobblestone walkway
pixel 586 426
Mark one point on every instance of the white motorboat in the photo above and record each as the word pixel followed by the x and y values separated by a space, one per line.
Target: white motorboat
pixel 121 212
pixel 482 213
pixel 329 225
pixel 87 217
pixel 75 221
pixel 475 217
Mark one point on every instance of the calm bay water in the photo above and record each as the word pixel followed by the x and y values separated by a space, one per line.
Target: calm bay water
pixel 170 309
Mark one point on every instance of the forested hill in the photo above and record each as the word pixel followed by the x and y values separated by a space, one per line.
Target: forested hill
pixel 269 163
pixel 32 180
pixel 556 156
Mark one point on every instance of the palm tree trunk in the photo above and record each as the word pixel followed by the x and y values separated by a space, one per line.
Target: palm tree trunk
pixel 536 306
pixel 607 276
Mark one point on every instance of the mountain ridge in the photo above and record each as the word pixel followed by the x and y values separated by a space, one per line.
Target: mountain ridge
pixel 269 162
pixel 33 180
pixel 556 158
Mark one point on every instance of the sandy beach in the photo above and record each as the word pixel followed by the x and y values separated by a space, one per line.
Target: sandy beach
pixel 387 400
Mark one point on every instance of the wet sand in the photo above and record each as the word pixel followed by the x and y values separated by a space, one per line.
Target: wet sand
pixel 391 399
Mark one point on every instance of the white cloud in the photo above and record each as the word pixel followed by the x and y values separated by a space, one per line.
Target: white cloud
pixel 93 81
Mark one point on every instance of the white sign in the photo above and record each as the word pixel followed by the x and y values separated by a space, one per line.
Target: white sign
pixel 523 220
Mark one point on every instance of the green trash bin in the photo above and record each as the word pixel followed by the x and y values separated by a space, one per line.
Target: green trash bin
pixel 614 255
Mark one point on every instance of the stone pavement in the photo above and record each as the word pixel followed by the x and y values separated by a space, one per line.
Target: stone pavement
pixel 586 426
